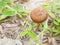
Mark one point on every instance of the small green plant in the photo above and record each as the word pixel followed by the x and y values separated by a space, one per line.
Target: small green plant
pixel 53 10
pixel 29 31
pixel 55 32
pixel 7 10
pixel 33 36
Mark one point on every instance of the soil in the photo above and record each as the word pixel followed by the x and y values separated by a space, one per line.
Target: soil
pixel 11 28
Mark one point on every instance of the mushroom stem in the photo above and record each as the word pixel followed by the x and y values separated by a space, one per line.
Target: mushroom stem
pixel 37 26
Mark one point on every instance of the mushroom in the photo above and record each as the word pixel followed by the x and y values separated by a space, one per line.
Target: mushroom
pixel 38 15
pixel 24 1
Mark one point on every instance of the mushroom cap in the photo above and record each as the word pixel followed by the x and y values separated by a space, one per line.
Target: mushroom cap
pixel 26 0
pixel 38 15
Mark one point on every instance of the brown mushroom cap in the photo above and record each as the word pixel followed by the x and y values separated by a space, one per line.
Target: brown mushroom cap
pixel 38 15
pixel 26 0
pixel 23 1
